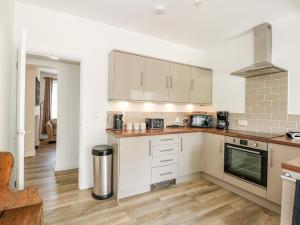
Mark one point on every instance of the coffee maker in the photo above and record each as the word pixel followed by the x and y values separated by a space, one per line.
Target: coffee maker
pixel 117 121
pixel 222 120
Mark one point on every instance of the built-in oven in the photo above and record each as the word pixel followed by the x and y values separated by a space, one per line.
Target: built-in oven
pixel 246 160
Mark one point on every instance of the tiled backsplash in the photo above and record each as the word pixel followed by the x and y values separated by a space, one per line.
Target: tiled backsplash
pixel 266 106
pixel 265 110
pixel 169 117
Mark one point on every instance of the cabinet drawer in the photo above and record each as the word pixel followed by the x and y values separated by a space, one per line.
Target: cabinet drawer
pixel 165 150
pixel 165 139
pixel 164 173
pixel 164 160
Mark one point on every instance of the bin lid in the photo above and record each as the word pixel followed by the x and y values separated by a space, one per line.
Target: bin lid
pixel 102 150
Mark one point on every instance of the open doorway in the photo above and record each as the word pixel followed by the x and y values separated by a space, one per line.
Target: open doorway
pixel 52 103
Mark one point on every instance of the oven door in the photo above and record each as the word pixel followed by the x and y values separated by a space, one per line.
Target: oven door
pixel 246 163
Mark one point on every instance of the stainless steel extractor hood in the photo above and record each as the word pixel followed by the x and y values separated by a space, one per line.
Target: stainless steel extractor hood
pixel 262 54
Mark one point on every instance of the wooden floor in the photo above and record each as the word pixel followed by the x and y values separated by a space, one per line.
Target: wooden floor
pixel 196 202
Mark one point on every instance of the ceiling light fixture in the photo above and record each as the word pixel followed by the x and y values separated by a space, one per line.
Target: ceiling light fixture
pixel 197 3
pixel 160 9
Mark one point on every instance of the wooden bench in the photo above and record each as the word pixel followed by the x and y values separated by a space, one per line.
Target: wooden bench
pixel 20 207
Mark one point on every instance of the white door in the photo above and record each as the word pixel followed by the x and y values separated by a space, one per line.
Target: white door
pixel 21 111
pixel 190 153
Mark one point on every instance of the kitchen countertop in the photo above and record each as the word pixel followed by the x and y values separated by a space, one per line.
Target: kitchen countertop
pixel 292 165
pixel 281 140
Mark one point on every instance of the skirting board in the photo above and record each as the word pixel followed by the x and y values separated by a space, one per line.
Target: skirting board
pixel 66 166
pixel 29 153
pixel 245 194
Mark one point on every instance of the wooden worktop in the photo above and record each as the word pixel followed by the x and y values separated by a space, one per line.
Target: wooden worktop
pixel 292 165
pixel 282 140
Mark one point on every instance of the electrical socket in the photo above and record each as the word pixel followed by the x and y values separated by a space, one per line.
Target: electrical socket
pixel 243 122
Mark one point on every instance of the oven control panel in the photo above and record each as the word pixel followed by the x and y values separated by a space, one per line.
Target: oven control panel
pixel 247 143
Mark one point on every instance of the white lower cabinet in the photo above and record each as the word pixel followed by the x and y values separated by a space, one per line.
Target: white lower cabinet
pixel 164 173
pixel 190 153
pixel 214 155
pixel 135 163
pixel 277 155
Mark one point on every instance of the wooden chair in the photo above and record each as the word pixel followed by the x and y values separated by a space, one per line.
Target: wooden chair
pixel 20 207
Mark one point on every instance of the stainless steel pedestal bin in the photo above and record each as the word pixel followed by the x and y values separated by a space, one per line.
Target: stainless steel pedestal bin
pixel 102 163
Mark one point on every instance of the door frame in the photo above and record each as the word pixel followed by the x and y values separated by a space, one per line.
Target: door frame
pixel 68 57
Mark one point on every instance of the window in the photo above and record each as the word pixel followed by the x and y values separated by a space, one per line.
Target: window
pixel 54 100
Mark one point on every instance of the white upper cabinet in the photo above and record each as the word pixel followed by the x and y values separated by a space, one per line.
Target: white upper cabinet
pixel 179 88
pixel 201 86
pixel 128 78
pixel 138 78
pixel 156 80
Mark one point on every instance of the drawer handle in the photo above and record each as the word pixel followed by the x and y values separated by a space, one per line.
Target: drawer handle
pixel 167 160
pixel 167 150
pixel 164 174
pixel 167 139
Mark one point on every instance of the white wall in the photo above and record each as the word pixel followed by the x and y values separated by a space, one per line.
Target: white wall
pixel 229 91
pixel 6 47
pixel 68 100
pixel 64 35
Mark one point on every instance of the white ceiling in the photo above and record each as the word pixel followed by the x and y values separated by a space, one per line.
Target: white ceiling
pixel 198 27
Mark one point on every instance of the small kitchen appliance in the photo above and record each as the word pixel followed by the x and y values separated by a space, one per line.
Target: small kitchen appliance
pixel 154 123
pixel 222 120
pixel 293 135
pixel 118 121
pixel 201 120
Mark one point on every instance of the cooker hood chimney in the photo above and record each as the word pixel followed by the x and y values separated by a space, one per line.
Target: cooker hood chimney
pixel 262 54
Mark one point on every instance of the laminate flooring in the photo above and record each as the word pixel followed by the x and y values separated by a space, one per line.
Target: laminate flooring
pixel 198 202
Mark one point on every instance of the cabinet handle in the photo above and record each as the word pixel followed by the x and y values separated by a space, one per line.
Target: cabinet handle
pixel 167 160
pixel 221 147
pixel 271 158
pixel 142 78
pixel 167 150
pixel 171 82
pixel 192 84
pixel 167 139
pixel 150 148
pixel 163 174
pixel 181 143
pixel 167 81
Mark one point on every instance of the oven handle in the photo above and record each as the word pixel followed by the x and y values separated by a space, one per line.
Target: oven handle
pixel 245 150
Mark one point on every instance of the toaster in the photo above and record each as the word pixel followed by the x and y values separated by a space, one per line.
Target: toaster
pixel 154 123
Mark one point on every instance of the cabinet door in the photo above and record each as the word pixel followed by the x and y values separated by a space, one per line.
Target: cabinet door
pixel 179 88
pixel 128 76
pixel 135 163
pixel 277 155
pixel 201 86
pixel 156 80
pixel 189 153
pixel 214 155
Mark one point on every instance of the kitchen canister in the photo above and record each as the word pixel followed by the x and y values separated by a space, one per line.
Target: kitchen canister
pixel 129 126
pixel 136 126
pixel 143 126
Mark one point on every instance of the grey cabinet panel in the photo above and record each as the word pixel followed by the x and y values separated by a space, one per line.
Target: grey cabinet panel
pixel 179 88
pixel 157 74
pixel 128 76
pixel 201 86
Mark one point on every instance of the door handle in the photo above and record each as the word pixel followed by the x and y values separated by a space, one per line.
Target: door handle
pixel 142 79
pixel 221 147
pixel 150 148
pixel 181 144
pixel 167 81
pixel 271 158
